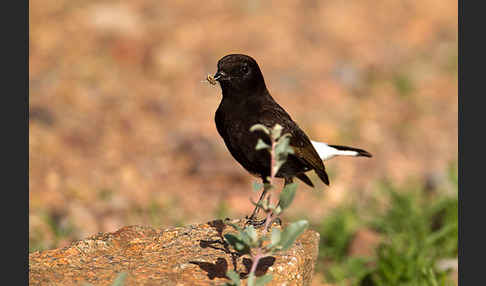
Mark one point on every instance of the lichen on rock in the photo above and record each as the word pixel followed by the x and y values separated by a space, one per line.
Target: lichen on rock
pixel 189 255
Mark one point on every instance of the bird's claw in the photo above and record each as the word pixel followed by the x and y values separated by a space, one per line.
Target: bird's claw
pixel 258 223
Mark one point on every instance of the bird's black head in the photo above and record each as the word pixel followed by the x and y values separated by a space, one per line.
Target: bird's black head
pixel 239 73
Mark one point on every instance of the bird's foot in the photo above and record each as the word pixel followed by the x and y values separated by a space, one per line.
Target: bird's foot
pixel 254 221
pixel 258 223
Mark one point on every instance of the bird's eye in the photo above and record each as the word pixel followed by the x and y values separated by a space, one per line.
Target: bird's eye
pixel 244 69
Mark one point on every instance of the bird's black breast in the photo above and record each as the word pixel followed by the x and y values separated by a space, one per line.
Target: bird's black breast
pixel 233 122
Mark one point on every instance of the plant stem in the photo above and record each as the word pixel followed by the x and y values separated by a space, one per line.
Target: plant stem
pixel 268 220
pixel 255 261
pixel 259 251
pixel 273 173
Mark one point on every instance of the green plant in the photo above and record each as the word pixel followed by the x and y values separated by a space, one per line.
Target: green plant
pixel 337 231
pixel 248 241
pixel 417 231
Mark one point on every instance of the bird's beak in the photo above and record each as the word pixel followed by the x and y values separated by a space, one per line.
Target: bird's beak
pixel 219 75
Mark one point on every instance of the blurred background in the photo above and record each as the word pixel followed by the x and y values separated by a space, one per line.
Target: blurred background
pixel 122 132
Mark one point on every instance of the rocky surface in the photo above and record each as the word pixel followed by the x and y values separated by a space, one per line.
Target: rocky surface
pixel 189 255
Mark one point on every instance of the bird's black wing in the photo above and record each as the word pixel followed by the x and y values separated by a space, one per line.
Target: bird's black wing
pixel 271 114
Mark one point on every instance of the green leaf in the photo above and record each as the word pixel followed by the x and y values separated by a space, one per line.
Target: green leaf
pixel 237 242
pixel 247 236
pixel 275 239
pixel 260 127
pixel 276 131
pixel 251 279
pixel 234 277
pixel 262 280
pixel 287 195
pixel 282 147
pixel 291 232
pixel 252 234
pixel 443 232
pixel 278 164
pixel 261 145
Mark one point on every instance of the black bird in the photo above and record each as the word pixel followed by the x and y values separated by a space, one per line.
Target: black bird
pixel 246 101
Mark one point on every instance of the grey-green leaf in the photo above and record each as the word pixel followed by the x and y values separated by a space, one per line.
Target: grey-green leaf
pixel 287 195
pixel 251 279
pixel 283 147
pixel 261 145
pixel 275 239
pixel 234 277
pixel 252 234
pixel 237 242
pixel 291 232
pixel 260 127
pixel 262 280
pixel 277 166
pixel 246 238
pixel 276 131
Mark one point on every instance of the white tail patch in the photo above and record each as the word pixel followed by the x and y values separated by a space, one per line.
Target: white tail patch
pixel 327 152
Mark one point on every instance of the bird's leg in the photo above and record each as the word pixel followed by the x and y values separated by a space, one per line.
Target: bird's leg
pixel 257 208
pixel 252 219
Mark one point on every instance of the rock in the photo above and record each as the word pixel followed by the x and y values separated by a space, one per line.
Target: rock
pixel 189 255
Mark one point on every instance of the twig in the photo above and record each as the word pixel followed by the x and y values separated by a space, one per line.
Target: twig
pixel 259 251
pixel 255 261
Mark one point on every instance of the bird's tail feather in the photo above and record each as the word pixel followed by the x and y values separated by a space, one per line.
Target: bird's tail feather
pixel 327 152
pixel 360 152
pixel 323 175
pixel 303 177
